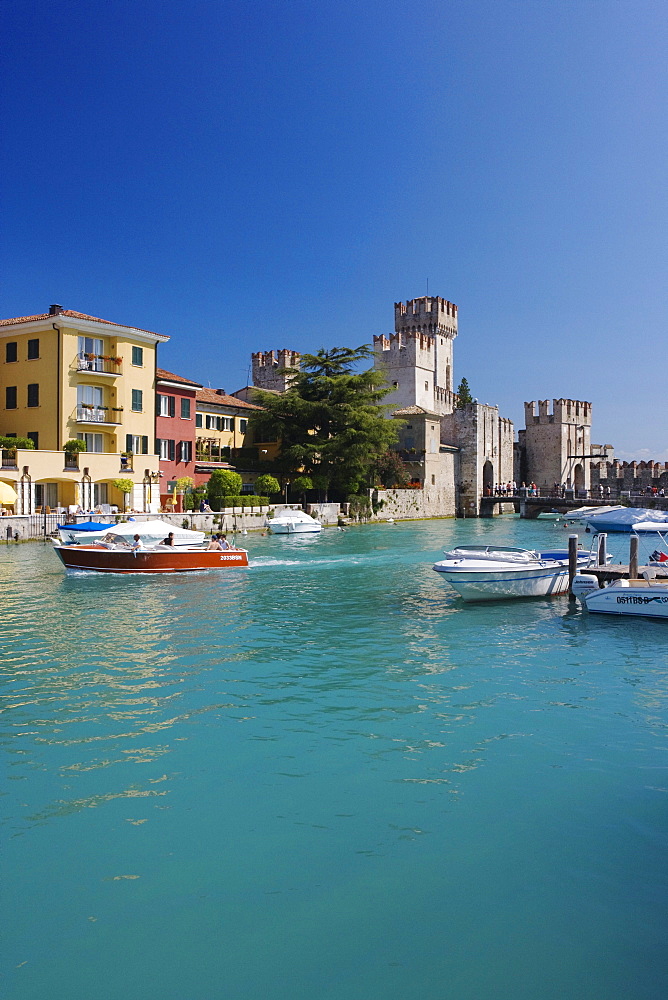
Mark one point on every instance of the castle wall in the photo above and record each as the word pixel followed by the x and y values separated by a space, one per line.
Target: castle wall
pixel 634 477
pixel 555 442
pixel 486 449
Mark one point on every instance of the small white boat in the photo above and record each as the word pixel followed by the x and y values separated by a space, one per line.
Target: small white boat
pixel 150 532
pixel 293 522
pixel 582 514
pixel 644 598
pixel 492 573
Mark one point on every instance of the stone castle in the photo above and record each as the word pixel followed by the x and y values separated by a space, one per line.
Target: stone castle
pixel 452 454
pixel 456 455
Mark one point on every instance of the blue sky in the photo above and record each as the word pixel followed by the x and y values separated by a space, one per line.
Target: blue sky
pixel 246 176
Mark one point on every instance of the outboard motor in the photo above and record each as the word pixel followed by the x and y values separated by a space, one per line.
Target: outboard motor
pixel 583 584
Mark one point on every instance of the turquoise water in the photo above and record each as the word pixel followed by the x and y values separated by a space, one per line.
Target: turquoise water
pixel 326 777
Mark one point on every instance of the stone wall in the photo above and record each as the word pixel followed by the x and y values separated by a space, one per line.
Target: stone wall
pixel 410 504
pixel 630 476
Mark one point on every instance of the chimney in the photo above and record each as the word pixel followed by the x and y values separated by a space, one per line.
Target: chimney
pixel 221 392
pixel 55 310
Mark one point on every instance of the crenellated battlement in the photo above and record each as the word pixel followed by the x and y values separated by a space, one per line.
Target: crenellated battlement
pixel 564 411
pixel 269 368
pixel 429 315
pixel 400 341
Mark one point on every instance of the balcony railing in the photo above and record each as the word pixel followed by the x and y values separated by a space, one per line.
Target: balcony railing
pixel 71 460
pixel 103 364
pixel 9 458
pixel 99 414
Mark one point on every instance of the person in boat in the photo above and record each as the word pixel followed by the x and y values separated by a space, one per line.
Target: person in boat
pixel 169 540
pixel 224 544
pixel 214 544
pixel 137 543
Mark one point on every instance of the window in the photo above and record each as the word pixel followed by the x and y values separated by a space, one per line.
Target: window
pixel 433 480
pixel 185 409
pixel 34 437
pixel 166 407
pixel 426 387
pixel 137 400
pixel 33 394
pixel 91 350
pixel 10 397
pixel 138 356
pixel 396 385
pixel 137 444
pixel 165 449
pixel 243 424
pixel 93 442
pixel 11 351
pixel 185 451
pixel 100 494
pixel 33 349
pixel 198 420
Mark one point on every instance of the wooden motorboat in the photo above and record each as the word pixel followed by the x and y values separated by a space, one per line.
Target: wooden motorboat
pixel 103 558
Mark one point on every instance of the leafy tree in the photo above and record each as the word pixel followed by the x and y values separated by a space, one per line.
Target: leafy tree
pixel 125 487
pixel 266 485
pixel 330 421
pixel 301 484
pixel 464 396
pixel 390 469
pixel 223 483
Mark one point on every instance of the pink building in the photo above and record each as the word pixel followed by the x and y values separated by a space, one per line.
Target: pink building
pixel 175 407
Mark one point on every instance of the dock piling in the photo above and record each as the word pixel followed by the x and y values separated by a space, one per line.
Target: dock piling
pixel 572 563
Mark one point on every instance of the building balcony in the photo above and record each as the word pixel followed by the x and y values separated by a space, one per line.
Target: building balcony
pixel 100 364
pixel 112 416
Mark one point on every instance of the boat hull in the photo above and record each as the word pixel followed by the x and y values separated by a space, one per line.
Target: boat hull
pixel 509 582
pixel 299 528
pixel 635 598
pixel 99 559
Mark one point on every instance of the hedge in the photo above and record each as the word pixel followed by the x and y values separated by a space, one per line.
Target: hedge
pixel 244 501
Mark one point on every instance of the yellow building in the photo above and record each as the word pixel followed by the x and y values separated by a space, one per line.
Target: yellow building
pixel 223 437
pixel 69 376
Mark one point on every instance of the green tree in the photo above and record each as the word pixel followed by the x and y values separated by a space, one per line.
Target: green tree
pixel 301 484
pixel 223 483
pixel 74 445
pixel 125 487
pixel 390 469
pixel 464 396
pixel 330 421
pixel 265 485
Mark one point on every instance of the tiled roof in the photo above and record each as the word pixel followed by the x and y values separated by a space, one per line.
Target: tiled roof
pixel 410 411
pixel 165 376
pixel 222 399
pixel 71 314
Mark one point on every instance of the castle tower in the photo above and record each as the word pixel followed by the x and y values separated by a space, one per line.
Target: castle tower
pixel 417 359
pixel 269 369
pixel 557 445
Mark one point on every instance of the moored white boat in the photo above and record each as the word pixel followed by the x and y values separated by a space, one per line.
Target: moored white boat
pixel 491 573
pixel 151 532
pixel 293 522
pixel 644 598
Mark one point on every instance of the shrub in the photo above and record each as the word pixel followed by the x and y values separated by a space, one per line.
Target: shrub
pixel 267 484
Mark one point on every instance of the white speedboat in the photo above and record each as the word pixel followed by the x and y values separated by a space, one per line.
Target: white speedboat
pixel 644 598
pixel 293 522
pixel 150 532
pixel 496 572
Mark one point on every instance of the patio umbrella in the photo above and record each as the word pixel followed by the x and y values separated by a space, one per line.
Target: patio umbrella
pixel 7 494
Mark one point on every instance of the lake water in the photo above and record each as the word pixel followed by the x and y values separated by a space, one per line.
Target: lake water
pixel 327 777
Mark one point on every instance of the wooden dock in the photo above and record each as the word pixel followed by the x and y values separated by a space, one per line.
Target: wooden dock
pixel 621 572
